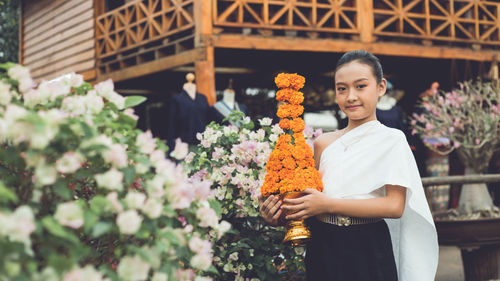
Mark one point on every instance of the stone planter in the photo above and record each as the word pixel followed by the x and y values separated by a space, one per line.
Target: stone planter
pixel 479 242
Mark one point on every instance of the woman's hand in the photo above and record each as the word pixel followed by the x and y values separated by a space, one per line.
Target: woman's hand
pixel 312 203
pixel 270 209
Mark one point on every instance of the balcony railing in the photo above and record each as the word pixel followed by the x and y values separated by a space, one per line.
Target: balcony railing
pixel 145 30
pixel 142 31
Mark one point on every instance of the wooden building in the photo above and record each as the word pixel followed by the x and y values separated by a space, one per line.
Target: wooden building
pixel 136 39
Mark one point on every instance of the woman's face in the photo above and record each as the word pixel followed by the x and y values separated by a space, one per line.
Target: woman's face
pixel 358 92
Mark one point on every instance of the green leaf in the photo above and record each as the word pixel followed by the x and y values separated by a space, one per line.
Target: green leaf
pixel 125 119
pixel 60 262
pixel 99 204
pixel 129 175
pixel 214 204
pixel 101 228
pixel 58 230
pixel 7 195
pixel 90 219
pixel 132 101
pixel 62 190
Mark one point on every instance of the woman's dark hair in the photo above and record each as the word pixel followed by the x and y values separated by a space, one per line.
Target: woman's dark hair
pixel 363 57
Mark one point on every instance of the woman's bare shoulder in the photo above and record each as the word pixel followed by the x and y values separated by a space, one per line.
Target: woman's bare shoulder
pixel 326 139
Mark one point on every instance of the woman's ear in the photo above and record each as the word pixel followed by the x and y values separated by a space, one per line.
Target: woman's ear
pixel 382 87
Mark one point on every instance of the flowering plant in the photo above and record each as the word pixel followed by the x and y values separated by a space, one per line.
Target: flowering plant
pixel 290 166
pixel 84 195
pixel 234 159
pixel 466 119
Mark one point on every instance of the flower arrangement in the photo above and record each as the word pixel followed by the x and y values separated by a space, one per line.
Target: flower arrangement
pixel 290 166
pixel 84 195
pixel 234 159
pixel 466 119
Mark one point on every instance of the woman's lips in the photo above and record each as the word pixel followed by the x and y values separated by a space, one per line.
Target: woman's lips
pixel 353 107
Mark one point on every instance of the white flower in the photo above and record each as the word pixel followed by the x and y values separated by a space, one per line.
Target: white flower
pixel 112 179
pixel 201 261
pixel 69 162
pixel 156 156
pixel 112 198
pixel 129 222
pixel 22 75
pixel 88 273
pixel 105 88
pixel 233 256
pixel 273 137
pixel 93 103
pixel 133 269
pixel 5 93
pixel 117 99
pixel 20 224
pixel 74 105
pixel 152 208
pixel 199 246
pixel 222 228
pixel 266 121
pixel 69 214
pixel 131 113
pixel 189 158
pixel 202 278
pixel 146 142
pixel 159 276
pixel 135 200
pixel 181 149
pixel 207 217
pixel 72 79
pixel 155 187
pixel 45 174
pixel 116 155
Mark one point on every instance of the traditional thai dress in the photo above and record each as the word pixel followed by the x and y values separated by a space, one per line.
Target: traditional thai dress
pixel 358 165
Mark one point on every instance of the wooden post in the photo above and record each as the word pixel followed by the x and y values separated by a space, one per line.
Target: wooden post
pixel 365 20
pixel 20 54
pixel 205 67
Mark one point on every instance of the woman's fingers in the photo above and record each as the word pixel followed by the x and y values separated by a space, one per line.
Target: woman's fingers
pixel 299 215
pixel 277 215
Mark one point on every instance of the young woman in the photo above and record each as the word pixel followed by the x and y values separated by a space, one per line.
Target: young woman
pixel 372 221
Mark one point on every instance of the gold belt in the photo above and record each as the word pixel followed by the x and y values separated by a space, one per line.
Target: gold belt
pixel 344 220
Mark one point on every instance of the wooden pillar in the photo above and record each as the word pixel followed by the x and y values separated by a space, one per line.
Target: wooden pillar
pixel 204 67
pixel 365 20
pixel 20 54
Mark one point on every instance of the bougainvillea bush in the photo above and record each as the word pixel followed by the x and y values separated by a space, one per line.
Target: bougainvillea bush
pixel 84 195
pixel 234 159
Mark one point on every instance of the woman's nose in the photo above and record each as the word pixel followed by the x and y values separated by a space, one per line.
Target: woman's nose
pixel 351 96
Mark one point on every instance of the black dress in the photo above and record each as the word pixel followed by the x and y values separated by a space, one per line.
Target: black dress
pixel 187 117
pixel 360 252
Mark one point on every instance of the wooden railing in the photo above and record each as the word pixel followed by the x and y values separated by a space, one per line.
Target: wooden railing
pixel 456 21
pixel 146 27
pixel 450 20
pixel 332 16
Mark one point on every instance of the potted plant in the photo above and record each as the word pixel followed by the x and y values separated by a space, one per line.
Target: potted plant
pixel 469 117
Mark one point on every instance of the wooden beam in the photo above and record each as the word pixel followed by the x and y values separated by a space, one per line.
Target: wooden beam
pixel 205 75
pixel 154 66
pixel 20 55
pixel 89 75
pixel 340 46
pixel 220 70
pixel 365 20
pixel 204 68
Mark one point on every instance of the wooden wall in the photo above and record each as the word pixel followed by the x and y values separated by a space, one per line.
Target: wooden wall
pixel 57 37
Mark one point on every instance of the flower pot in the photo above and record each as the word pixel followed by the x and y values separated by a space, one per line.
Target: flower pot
pixel 438 196
pixel 479 241
pixel 297 232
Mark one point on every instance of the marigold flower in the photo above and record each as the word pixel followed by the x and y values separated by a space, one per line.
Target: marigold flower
pixel 291 165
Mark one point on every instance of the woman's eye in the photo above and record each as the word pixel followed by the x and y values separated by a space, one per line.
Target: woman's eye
pixel 361 86
pixel 340 89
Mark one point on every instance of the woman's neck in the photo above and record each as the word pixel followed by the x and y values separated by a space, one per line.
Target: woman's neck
pixel 352 124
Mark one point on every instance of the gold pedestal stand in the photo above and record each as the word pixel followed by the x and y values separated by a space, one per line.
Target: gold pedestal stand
pixel 296 230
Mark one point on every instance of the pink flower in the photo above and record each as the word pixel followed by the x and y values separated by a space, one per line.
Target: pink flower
pixel 456 144
pixel 478 141
pixel 146 142
pixel 218 152
pixel 451 129
pixel 207 217
pixel 184 275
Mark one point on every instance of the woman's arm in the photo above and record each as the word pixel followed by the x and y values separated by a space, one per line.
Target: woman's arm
pixel 314 202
